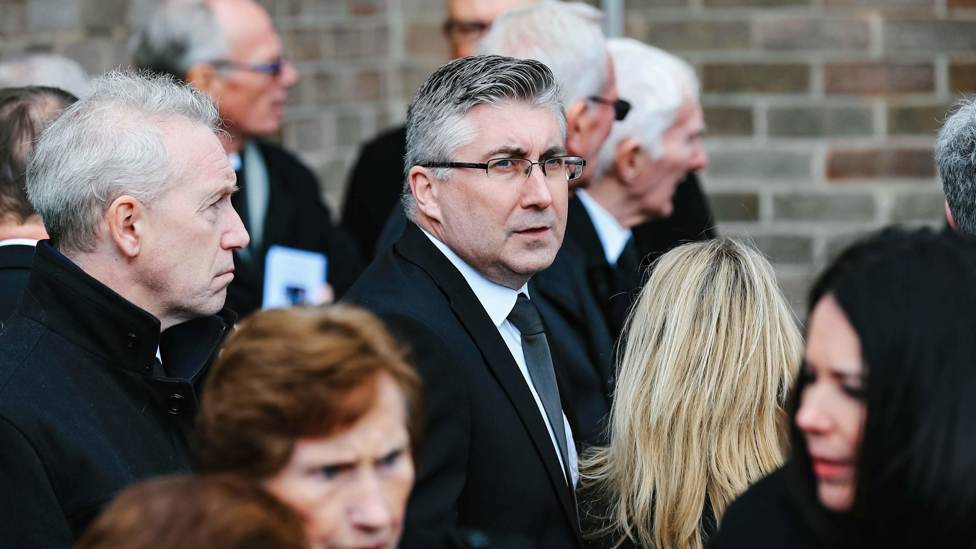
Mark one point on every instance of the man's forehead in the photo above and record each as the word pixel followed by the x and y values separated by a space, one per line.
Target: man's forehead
pixel 246 25
pixel 513 126
pixel 481 10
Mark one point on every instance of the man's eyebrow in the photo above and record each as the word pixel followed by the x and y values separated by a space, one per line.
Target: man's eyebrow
pixel 229 188
pixel 555 150
pixel 513 151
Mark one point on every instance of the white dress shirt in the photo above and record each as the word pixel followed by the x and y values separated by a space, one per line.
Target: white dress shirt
pixel 612 234
pixel 498 301
pixel 18 242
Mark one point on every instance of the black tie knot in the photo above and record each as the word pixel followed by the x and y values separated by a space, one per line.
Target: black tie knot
pixel 525 316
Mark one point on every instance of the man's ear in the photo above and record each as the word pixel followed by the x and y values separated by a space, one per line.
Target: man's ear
pixel 951 220
pixel 425 192
pixel 126 225
pixel 577 124
pixel 629 160
pixel 204 77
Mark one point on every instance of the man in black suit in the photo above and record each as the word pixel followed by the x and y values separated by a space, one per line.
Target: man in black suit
pixel 24 112
pixel 486 198
pixel 229 49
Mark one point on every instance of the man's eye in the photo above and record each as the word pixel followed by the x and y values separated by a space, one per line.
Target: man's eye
pixel 504 164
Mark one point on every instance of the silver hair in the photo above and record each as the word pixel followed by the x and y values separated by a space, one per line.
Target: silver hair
pixel 179 34
pixel 656 83
pixel 566 36
pixel 436 124
pixel 955 153
pixel 44 69
pixel 107 145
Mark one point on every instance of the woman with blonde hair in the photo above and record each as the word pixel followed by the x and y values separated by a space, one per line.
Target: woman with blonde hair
pixel 710 350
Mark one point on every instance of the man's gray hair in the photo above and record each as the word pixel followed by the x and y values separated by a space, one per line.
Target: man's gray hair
pixel 436 125
pixel 44 69
pixel 656 83
pixel 955 153
pixel 566 36
pixel 179 34
pixel 107 145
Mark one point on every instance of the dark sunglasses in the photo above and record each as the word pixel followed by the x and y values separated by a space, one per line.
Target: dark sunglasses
pixel 273 68
pixel 620 107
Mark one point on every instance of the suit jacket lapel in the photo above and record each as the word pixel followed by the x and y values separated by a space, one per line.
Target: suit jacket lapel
pixel 415 247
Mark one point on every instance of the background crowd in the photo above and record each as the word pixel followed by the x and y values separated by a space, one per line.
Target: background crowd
pixel 541 340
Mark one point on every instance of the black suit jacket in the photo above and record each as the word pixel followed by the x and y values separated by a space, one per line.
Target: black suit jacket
pixel 488 462
pixel 15 265
pixel 580 342
pixel 651 239
pixel 296 217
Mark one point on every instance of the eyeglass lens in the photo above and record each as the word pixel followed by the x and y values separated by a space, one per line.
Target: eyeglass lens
pixel 515 169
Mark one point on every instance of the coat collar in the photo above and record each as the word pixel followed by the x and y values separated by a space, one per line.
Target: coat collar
pixel 581 232
pixel 416 248
pixel 81 309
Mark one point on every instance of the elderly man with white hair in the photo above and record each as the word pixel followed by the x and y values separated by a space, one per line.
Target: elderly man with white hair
pixel 101 365
pixel 638 170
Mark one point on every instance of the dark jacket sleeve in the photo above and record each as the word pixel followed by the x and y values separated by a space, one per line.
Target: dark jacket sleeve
pixel 30 514
pixel 432 512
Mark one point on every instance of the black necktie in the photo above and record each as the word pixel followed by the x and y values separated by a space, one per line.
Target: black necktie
pixel 538 361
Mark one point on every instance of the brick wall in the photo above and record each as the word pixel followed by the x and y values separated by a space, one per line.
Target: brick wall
pixel 821 113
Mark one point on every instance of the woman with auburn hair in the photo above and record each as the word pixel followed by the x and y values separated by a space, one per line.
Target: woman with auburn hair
pixel 884 447
pixel 320 407
pixel 195 512
pixel 709 352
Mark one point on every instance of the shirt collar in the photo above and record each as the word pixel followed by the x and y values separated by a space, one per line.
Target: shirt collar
pixel 612 234
pixel 18 242
pixel 497 300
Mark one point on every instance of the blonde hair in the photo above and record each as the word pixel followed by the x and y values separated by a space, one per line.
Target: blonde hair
pixel 711 350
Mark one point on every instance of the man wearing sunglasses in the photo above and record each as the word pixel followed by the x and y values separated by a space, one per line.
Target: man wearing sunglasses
pixel 229 49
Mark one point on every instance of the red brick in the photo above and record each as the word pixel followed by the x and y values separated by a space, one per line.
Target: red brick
pixel 754 3
pixel 813 33
pixel 878 78
pixel 728 120
pixel 953 4
pixel 916 119
pixel 962 78
pixel 698 35
pixel 756 78
pixel 879 163
pixel 930 36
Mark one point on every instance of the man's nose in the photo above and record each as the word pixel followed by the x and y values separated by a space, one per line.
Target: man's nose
pixel 289 74
pixel 535 189
pixel 235 237
pixel 699 159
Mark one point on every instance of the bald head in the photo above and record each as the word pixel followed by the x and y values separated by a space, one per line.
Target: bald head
pixel 468 20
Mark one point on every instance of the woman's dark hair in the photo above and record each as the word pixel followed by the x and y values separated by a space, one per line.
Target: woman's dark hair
pixel 911 297
pixel 24 112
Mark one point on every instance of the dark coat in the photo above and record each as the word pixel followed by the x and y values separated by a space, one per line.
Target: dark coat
pixel 487 460
pixel 615 293
pixel 15 262
pixel 768 515
pixel 579 341
pixel 296 218
pixel 85 410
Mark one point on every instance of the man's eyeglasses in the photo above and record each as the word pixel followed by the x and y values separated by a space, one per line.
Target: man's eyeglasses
pixel 515 170
pixel 620 107
pixel 272 68
pixel 456 29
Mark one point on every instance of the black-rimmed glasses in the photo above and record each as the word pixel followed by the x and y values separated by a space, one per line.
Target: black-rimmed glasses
pixel 556 168
pixel 620 106
pixel 272 68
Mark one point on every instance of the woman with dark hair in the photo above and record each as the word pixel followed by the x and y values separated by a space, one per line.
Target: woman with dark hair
pixel 884 447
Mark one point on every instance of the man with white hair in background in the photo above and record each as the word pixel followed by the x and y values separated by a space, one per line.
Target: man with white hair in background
pixel 44 69
pixel 638 170
pixel 101 364
pixel 229 49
